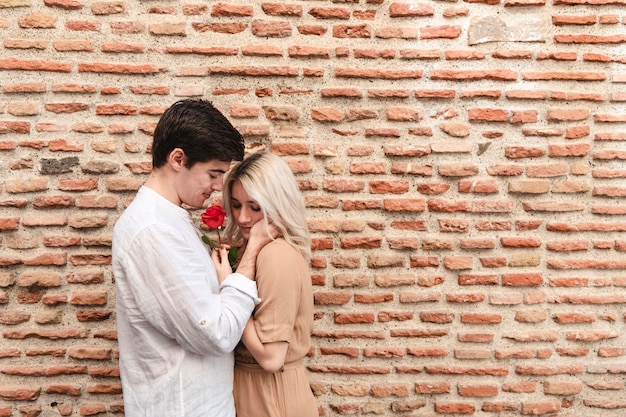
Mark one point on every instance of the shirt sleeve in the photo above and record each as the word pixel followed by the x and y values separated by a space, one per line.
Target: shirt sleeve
pixel 279 289
pixel 176 290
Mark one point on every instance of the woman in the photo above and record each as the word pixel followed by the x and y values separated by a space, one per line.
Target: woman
pixel 270 377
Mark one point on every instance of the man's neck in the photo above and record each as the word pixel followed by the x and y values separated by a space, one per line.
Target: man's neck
pixel 159 182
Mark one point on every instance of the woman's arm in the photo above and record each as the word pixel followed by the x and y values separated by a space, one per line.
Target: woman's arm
pixel 271 356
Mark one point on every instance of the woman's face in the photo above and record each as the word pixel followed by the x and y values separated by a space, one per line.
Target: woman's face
pixel 246 212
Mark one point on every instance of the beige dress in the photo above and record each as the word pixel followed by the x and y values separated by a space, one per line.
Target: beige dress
pixel 284 314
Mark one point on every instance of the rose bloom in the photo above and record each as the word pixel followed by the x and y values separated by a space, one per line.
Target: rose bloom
pixel 213 217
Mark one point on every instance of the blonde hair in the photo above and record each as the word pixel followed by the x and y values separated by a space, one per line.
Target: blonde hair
pixel 269 181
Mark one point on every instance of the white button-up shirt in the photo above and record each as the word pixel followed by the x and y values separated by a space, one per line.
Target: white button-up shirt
pixel 177 326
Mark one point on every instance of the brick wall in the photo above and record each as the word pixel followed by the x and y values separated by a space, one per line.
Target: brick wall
pixel 462 161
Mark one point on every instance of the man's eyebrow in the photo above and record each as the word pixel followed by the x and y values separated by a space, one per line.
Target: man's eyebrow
pixel 218 171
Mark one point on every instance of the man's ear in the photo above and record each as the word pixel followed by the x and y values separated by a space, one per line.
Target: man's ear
pixel 177 159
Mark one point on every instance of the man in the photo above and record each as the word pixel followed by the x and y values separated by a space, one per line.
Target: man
pixel 177 324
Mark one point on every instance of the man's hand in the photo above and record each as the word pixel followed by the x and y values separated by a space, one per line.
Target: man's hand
pixel 259 237
pixel 220 259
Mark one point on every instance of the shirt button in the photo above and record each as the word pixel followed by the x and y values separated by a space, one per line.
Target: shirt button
pixel 202 322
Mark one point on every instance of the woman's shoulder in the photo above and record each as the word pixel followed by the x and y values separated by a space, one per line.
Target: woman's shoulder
pixel 277 244
pixel 280 259
pixel 279 247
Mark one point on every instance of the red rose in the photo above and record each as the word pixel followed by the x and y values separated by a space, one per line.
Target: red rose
pixel 213 217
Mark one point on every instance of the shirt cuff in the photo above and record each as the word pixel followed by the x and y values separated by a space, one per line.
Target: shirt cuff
pixel 242 283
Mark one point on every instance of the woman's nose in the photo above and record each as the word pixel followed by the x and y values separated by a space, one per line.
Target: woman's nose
pixel 243 215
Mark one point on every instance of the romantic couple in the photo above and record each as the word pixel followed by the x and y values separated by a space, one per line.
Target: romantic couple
pixel 196 338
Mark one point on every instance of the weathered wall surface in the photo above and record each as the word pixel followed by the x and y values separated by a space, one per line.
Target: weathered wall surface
pixel 462 161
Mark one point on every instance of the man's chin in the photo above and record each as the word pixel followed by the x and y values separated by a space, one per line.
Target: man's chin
pixel 190 205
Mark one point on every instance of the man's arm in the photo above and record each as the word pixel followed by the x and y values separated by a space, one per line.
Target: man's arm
pixel 259 237
pixel 169 280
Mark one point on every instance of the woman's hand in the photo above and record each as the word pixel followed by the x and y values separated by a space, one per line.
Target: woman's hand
pixel 220 259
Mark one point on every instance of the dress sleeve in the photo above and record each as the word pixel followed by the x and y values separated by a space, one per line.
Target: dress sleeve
pixel 176 291
pixel 278 280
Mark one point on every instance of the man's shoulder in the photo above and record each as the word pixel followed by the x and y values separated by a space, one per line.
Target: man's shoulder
pixel 140 214
pixel 137 212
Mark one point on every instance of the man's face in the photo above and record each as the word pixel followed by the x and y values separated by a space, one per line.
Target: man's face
pixel 196 184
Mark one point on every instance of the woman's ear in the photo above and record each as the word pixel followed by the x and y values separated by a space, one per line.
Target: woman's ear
pixel 177 159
